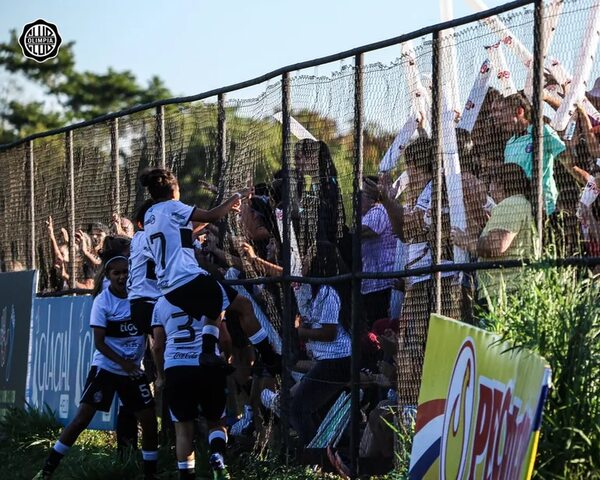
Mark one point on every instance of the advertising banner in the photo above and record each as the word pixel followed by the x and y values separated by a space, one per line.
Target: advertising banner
pixel 62 347
pixel 16 292
pixel 479 407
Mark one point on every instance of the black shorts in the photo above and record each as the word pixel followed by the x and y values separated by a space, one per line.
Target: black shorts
pixel 188 388
pixel 141 314
pixel 101 385
pixel 201 296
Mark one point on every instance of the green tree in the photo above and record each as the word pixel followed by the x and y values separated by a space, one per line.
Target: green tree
pixel 76 95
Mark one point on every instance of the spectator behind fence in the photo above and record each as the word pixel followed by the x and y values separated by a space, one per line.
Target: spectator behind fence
pixel 325 332
pixel 508 234
pixel 121 226
pixel 90 244
pixel 513 115
pixel 60 257
pixel 378 255
pixel 317 205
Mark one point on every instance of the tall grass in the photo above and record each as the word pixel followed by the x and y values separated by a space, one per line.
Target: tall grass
pixel 556 313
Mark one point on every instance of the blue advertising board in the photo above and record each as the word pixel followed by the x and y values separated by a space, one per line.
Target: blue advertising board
pixel 16 291
pixel 60 353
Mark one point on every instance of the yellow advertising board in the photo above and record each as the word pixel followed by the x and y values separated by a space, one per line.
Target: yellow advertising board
pixel 479 407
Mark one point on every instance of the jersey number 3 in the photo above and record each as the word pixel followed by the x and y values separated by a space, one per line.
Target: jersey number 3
pixel 187 326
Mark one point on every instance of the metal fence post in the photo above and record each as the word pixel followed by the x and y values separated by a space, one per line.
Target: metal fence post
pixel 356 264
pixel 537 119
pixel 221 141
pixel 160 130
pixel 287 321
pixel 32 265
pixel 436 129
pixel 114 153
pixel 71 167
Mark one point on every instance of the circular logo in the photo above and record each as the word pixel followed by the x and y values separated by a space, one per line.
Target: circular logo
pixel 40 40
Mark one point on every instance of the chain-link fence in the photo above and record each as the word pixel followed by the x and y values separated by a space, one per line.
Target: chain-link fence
pixel 476 145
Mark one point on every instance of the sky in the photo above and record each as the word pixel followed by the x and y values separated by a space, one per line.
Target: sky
pixel 196 46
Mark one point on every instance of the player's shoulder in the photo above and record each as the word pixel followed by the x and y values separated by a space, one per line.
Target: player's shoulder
pixel 163 307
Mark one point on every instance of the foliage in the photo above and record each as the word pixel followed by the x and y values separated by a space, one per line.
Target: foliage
pixel 253 467
pixel 403 428
pixel 555 312
pixel 28 426
pixel 76 95
pixel 27 434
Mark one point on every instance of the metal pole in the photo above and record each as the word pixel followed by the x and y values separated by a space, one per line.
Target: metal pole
pixel 162 148
pixel 356 264
pixel 436 134
pixel 114 152
pixel 538 119
pixel 32 265
pixel 287 323
pixel 71 166
pixel 221 141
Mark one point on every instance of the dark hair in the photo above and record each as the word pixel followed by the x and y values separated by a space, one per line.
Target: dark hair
pixel 264 210
pixel 319 151
pixel 97 226
pixel 140 213
pixel 113 247
pixel 160 182
pixel 515 101
pixel 375 180
pixel 420 154
pixel 513 180
pixel 324 260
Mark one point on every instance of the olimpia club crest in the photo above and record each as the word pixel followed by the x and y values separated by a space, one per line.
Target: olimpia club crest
pixel 40 40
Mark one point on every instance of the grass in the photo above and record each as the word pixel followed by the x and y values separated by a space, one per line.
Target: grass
pixel 27 434
pixel 556 312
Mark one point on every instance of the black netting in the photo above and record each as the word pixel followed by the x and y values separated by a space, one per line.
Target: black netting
pixel 15 211
pixel 51 194
pixel 486 209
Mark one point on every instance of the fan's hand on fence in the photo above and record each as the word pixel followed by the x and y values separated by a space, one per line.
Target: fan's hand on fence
pixel 248 251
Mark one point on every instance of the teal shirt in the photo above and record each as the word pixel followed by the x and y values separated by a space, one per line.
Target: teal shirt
pixel 519 150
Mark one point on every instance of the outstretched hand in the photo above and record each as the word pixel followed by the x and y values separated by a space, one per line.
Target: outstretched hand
pixel 50 225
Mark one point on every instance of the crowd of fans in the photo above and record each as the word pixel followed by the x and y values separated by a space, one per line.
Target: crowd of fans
pixel 397 234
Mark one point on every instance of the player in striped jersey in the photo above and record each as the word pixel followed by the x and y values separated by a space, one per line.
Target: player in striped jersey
pixel 116 368
pixel 142 288
pixel 168 226
pixel 177 344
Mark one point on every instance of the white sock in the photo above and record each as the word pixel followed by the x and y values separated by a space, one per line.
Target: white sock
pixel 186 465
pixel 61 448
pixel 258 337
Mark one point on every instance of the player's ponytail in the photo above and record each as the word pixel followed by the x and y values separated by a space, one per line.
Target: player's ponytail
pixel 160 182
